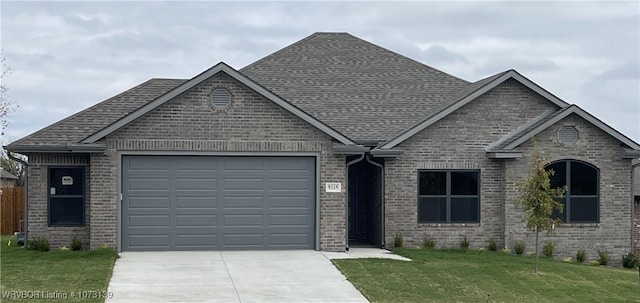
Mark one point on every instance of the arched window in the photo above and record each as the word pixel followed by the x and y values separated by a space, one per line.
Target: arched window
pixel 581 200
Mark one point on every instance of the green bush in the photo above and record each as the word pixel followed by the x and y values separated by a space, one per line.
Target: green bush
pixel 581 256
pixel 603 257
pixel 519 247
pixel 630 260
pixel 547 249
pixel 464 244
pixel 76 244
pixel 397 240
pixel 38 244
pixel 492 245
pixel 429 243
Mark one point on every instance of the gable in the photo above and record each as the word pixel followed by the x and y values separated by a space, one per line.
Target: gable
pixel 470 94
pixel 192 116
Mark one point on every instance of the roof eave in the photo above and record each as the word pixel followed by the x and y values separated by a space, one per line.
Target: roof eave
pixel 343 149
pixel 504 154
pixel 68 148
pixel 628 153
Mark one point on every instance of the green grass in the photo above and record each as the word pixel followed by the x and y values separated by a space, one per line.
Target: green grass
pixel 483 276
pixel 82 276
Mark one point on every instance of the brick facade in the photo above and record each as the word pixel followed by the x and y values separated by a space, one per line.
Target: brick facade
pixel 457 142
pixel 252 124
pixel 37 192
pixel 613 232
pixel 189 124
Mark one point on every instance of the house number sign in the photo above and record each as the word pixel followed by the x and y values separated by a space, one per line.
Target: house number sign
pixel 333 187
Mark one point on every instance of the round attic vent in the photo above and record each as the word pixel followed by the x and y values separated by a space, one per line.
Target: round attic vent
pixel 220 98
pixel 568 135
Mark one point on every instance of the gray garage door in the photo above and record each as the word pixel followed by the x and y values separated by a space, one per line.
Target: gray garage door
pixel 218 203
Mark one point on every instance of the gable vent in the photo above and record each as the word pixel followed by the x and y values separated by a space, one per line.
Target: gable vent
pixel 568 135
pixel 220 98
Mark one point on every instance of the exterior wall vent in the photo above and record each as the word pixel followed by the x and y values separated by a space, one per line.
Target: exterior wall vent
pixel 220 98
pixel 568 135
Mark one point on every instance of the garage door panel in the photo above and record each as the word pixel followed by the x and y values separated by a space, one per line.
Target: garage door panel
pixel 197 241
pixel 184 201
pixel 293 220
pixel 149 184
pixel 280 202
pixel 190 220
pixel 243 220
pixel 198 202
pixel 241 202
pixel 148 202
pixel 149 241
pixel 192 183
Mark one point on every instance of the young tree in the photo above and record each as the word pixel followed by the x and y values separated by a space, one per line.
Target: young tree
pixel 5 105
pixel 14 167
pixel 537 198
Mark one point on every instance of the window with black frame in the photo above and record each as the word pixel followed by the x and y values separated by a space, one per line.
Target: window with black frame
pixel 66 196
pixel 581 200
pixel 448 196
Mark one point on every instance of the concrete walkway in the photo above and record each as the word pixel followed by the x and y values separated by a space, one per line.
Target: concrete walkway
pixel 233 276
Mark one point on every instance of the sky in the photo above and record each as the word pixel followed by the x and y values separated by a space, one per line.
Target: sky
pixel 67 56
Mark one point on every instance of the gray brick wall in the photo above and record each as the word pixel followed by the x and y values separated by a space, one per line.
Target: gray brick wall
pixel 613 233
pixel 38 200
pixel 458 142
pixel 636 225
pixel 188 123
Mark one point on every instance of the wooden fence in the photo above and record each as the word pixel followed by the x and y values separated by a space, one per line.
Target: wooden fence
pixel 11 209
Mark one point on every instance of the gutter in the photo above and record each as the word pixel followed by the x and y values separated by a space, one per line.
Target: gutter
pixel 68 148
pixel 26 193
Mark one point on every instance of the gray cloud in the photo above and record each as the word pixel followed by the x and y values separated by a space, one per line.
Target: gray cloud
pixel 69 55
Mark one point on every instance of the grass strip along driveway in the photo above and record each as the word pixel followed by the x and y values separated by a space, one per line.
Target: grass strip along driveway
pixel 484 276
pixel 54 276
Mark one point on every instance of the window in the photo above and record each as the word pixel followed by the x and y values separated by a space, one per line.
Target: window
pixel 448 196
pixel 581 200
pixel 66 196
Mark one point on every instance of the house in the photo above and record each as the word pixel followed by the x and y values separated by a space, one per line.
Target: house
pixel 327 143
pixel 636 208
pixel 7 179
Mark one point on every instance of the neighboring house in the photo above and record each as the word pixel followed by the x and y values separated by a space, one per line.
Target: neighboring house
pixel 7 179
pixel 329 142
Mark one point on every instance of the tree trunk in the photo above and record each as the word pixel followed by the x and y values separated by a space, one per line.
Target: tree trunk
pixel 535 270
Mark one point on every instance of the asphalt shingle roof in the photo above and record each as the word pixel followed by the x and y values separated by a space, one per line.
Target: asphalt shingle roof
pixel 82 124
pixel 362 90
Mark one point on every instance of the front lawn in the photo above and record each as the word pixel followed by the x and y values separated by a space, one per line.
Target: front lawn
pixel 483 276
pixel 54 276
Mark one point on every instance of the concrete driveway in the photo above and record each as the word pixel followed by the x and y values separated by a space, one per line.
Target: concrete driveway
pixel 236 276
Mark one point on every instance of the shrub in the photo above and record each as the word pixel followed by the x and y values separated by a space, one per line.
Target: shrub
pixel 603 256
pixel 64 248
pixel 581 256
pixel 519 247
pixel 630 260
pixel 492 245
pixel 547 249
pixel 429 243
pixel 567 259
pixel 38 244
pixel 464 244
pixel 397 240
pixel 594 262
pixel 506 250
pixel 76 244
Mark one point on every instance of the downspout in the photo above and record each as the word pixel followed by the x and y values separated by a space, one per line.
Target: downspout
pixel 633 205
pixel 346 209
pixel 26 193
pixel 382 236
